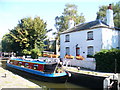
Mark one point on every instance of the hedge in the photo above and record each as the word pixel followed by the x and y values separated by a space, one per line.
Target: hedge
pixel 105 60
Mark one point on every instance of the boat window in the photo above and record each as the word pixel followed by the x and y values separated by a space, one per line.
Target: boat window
pixel 20 63
pixel 26 65
pixel 35 66
pixel 11 62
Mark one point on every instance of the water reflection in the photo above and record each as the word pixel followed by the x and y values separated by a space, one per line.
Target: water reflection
pixel 55 85
pixel 45 85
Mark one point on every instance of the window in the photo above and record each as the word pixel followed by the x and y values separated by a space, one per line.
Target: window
pixel 67 51
pixel 35 66
pixel 19 63
pixel 26 64
pixel 67 38
pixel 90 35
pixel 90 50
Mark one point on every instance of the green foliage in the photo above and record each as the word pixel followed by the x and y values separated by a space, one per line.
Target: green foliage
pixel 34 53
pixel 116 9
pixel 105 60
pixel 61 22
pixel 90 56
pixel 8 44
pixel 70 11
pixel 26 52
pixel 28 34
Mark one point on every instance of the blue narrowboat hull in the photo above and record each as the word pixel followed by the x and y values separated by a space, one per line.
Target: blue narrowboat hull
pixel 54 77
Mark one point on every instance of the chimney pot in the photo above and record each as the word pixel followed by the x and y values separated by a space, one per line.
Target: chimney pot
pixel 110 6
pixel 109 16
pixel 70 23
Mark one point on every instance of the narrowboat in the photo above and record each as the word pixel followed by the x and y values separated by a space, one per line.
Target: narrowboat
pixel 45 71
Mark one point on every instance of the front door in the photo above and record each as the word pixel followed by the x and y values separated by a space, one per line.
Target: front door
pixel 77 51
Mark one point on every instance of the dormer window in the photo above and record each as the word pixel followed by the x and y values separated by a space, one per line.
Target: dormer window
pixel 67 38
pixel 90 35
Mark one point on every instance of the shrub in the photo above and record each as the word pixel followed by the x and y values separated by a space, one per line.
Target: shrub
pixel 26 52
pixel 90 56
pixel 34 53
pixel 105 60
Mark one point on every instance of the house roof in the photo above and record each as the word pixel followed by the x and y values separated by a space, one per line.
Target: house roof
pixel 87 26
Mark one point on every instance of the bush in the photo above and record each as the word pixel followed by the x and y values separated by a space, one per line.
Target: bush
pixel 26 52
pixel 105 60
pixel 34 53
pixel 90 56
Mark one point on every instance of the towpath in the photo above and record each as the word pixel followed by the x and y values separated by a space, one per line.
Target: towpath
pixel 10 80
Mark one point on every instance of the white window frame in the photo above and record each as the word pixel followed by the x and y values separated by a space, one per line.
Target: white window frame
pixel 67 38
pixel 67 49
pixel 90 50
pixel 90 35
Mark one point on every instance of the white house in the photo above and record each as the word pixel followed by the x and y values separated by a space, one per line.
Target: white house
pixel 88 38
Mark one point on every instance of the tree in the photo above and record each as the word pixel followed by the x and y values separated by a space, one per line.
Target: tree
pixel 70 11
pixel 6 43
pixel 61 22
pixel 30 34
pixel 0 46
pixel 116 9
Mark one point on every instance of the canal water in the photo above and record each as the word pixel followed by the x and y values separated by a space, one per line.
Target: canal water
pixel 47 85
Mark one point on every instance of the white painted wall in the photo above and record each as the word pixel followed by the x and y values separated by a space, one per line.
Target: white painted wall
pixel 110 38
pixel 89 63
pixel 80 38
pixel 104 38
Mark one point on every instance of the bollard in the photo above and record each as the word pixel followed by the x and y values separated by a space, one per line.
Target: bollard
pixel 106 83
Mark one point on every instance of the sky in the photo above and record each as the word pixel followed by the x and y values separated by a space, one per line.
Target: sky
pixel 11 11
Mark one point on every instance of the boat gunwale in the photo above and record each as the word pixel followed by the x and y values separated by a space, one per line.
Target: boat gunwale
pixel 54 74
pixel 37 72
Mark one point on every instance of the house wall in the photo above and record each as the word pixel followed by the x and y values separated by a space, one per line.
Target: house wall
pixel 80 38
pixel 110 38
pixel 104 38
pixel 89 63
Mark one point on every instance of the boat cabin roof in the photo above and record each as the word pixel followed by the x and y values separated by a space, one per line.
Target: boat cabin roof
pixel 32 61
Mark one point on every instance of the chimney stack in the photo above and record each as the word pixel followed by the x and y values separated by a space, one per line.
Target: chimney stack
pixel 109 16
pixel 70 23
